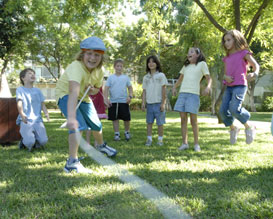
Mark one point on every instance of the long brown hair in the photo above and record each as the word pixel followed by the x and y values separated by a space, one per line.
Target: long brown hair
pixel 239 40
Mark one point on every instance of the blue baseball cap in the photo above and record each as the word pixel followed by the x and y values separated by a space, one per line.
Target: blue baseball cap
pixel 93 43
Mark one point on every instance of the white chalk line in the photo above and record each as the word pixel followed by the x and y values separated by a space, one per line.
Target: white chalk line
pixel 164 204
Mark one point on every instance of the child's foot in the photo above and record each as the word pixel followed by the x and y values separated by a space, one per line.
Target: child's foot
pixel 117 137
pixel 250 134
pixel 148 142
pixel 21 145
pixel 160 143
pixel 197 148
pixel 105 149
pixel 233 135
pixel 127 136
pixel 77 166
pixel 183 147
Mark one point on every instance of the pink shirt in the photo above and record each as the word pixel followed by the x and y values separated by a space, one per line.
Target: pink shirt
pixel 236 67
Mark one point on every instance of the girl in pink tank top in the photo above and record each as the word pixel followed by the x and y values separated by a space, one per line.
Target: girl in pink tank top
pixel 236 62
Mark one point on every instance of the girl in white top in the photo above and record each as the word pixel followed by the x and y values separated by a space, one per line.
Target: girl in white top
pixel 194 69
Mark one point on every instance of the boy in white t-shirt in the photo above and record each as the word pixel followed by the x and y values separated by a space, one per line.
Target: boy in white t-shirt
pixel 119 85
pixel 30 103
pixel 154 98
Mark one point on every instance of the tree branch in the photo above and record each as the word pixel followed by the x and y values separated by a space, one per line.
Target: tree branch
pixel 237 14
pixel 212 20
pixel 256 17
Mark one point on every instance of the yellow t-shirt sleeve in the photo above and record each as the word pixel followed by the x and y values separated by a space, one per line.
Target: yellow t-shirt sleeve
pixel 182 70
pixel 204 68
pixel 75 72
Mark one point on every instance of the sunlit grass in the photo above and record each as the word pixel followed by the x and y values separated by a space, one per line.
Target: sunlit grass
pixel 222 181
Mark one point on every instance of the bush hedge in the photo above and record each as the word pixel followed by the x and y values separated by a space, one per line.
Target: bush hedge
pixel 267 105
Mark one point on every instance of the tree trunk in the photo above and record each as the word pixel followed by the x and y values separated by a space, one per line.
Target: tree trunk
pixel 251 96
pixel 218 102
pixel 2 72
pixel 4 86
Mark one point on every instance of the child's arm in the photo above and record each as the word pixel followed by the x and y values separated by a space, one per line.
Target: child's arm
pixel 162 106
pixel 255 67
pixel 130 97
pixel 21 111
pixel 107 102
pixel 227 78
pixel 178 82
pixel 74 90
pixel 45 111
pixel 208 88
pixel 143 99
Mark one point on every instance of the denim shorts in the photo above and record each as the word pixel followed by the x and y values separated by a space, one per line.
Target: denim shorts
pixel 86 115
pixel 187 102
pixel 153 112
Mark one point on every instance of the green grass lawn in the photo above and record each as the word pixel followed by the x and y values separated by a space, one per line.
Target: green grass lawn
pixel 222 181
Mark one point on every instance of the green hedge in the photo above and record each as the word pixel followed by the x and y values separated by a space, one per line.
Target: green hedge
pixel 51 104
pixel 267 105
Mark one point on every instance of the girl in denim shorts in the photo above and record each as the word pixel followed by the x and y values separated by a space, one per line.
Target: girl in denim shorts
pixel 154 98
pixel 188 102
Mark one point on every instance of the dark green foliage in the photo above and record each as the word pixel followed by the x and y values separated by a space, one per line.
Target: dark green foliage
pixel 267 105
pixel 12 23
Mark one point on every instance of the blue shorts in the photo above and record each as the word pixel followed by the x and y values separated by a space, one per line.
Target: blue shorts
pixel 153 112
pixel 86 115
pixel 187 102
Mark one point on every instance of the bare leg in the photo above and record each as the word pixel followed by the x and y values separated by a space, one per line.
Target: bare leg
pixel 194 125
pixel 149 129
pixel 88 135
pixel 127 126
pixel 160 130
pixel 116 125
pixel 232 127
pixel 184 127
pixel 98 137
pixel 247 126
pixel 73 145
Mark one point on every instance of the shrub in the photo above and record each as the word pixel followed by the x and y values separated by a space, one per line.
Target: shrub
pixel 51 104
pixel 137 90
pixel 135 104
pixel 205 103
pixel 173 100
pixel 267 105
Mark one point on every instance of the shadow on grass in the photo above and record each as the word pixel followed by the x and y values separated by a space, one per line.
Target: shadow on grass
pixel 33 185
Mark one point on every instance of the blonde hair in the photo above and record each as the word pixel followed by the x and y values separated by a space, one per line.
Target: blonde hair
pixel 239 40
pixel 80 54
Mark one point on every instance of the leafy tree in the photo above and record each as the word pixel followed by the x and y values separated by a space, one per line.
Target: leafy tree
pixel 13 22
pixel 61 25
pixel 229 15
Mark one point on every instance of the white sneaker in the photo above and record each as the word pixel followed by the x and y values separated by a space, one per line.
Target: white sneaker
pixel 233 135
pixel 117 137
pixel 197 148
pixel 148 142
pixel 183 147
pixel 127 136
pixel 77 166
pixel 250 134
pixel 160 143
